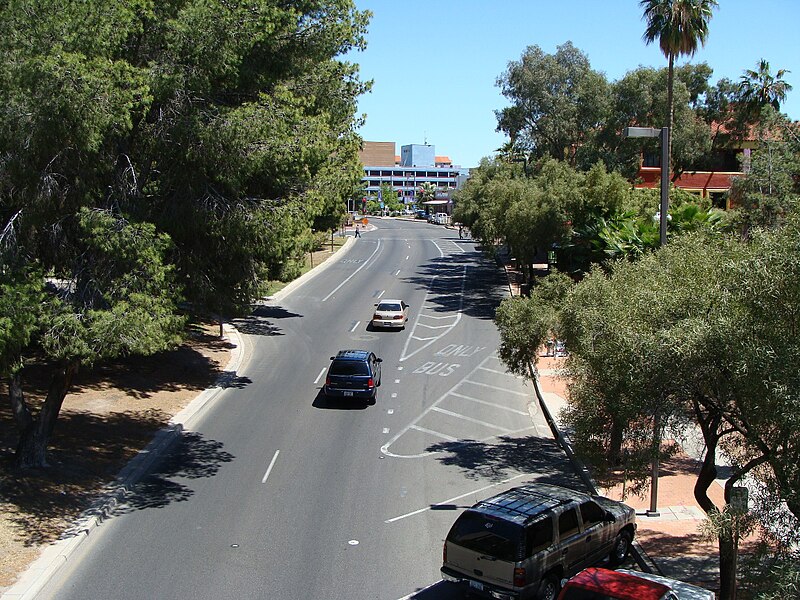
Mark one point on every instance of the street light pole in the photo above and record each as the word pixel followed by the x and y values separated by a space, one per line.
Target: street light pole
pixel 664 185
pixel 663 135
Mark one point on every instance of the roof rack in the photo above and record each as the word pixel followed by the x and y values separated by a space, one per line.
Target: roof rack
pixel 525 501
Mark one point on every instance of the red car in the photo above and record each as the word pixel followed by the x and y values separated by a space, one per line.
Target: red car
pixel 604 584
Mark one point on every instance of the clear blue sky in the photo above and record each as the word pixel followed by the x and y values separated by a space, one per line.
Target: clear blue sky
pixel 434 63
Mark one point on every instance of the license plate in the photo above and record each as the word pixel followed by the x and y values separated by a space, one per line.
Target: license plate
pixel 476 585
pixel 348 393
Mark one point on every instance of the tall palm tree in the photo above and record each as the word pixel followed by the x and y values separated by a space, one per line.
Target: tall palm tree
pixel 678 25
pixel 759 88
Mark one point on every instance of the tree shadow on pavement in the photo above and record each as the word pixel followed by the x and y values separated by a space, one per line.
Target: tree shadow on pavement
pixel 85 453
pixel 509 456
pixel 260 321
pixel 192 457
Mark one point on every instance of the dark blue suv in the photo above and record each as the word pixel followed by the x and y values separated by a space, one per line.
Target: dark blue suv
pixel 353 374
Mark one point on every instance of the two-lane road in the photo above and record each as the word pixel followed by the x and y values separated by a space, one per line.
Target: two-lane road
pixel 278 493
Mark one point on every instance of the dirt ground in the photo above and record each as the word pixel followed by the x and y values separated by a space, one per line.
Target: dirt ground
pixel 110 414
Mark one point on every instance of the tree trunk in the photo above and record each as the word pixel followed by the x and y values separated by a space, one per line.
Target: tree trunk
pixel 727 565
pixel 709 424
pixel 615 443
pixel 32 447
pixel 22 414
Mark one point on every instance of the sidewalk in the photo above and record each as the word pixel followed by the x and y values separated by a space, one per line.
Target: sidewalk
pixel 670 543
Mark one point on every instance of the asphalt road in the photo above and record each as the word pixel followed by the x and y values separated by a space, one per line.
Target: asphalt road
pixel 278 493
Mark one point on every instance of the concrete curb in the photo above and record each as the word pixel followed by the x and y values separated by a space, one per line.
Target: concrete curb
pixel 56 555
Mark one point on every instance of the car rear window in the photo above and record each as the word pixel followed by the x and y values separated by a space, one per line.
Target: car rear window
pixel 483 534
pixel 349 367
pixel 389 307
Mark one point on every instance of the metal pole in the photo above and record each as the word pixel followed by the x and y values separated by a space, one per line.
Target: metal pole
pixel 664 184
pixel 653 511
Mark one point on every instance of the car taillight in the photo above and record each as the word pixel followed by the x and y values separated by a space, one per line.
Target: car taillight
pixel 376 317
pixel 397 317
pixel 444 553
pixel 370 382
pixel 520 578
pixel 327 380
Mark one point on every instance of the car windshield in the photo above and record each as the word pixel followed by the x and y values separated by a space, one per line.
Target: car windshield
pixel 389 307
pixel 349 367
pixel 487 536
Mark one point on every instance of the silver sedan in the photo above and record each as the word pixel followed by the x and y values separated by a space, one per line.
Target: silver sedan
pixel 390 314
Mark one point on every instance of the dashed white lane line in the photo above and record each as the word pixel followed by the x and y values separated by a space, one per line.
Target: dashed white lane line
pixel 321 373
pixel 269 468
pixel 355 326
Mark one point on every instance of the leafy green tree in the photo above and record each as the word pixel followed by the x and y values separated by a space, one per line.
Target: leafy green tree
pixel 218 132
pixel 769 192
pixel 118 298
pixel 689 336
pixel 556 102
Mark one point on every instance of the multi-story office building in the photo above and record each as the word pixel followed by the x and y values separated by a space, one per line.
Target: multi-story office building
pixel 405 173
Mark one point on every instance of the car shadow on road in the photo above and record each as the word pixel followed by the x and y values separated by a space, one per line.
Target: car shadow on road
pixel 327 403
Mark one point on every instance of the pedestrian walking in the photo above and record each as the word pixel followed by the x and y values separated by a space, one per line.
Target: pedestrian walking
pixel 358 233
pixel 460 232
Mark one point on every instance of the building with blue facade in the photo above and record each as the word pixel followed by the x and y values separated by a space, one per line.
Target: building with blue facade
pixel 405 173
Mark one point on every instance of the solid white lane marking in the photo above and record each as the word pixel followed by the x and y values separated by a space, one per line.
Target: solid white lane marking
pixel 454 498
pixel 492 404
pixel 450 413
pixel 396 273
pixel 502 373
pixel 269 468
pixel 355 326
pixel 495 387
pixel 456 317
pixel 321 373
pixel 364 264
pixel 444 436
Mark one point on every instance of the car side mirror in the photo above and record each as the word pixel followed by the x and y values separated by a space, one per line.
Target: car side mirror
pixel 332 357
pixel 378 360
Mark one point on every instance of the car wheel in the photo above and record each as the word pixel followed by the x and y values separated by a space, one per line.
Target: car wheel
pixel 372 400
pixel 621 549
pixel 549 588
